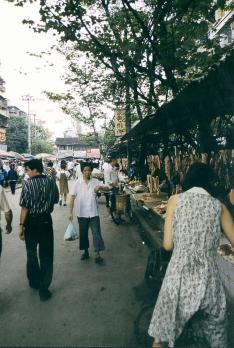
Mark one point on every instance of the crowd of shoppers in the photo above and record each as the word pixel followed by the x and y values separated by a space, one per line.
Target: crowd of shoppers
pixel 192 291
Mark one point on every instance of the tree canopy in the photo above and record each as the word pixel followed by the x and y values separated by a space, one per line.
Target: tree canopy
pixel 17 138
pixel 151 49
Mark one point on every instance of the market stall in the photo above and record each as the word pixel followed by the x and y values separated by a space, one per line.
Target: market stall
pixel 169 150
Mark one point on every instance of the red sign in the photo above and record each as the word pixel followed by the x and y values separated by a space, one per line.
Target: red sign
pixel 93 153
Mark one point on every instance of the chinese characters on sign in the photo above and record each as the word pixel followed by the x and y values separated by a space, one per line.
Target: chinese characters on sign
pixel 120 122
pixel 93 153
pixel 2 135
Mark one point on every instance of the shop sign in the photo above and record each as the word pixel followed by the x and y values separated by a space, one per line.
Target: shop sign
pixel 68 153
pixel 120 122
pixel 2 135
pixel 93 153
pixel 80 154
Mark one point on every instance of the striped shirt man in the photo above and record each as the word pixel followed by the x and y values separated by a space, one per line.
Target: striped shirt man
pixel 39 194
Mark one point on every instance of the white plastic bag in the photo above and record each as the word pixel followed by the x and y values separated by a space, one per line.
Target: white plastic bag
pixel 71 233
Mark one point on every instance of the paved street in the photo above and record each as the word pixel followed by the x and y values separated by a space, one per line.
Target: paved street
pixel 92 305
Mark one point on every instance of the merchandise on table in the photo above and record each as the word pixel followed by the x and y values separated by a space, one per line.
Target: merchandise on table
pixel 227 251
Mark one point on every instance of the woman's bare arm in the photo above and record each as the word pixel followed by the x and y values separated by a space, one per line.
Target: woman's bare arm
pixel 227 224
pixel 167 240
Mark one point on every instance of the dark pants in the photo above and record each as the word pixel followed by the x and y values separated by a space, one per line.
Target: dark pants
pixel 39 231
pixel 12 185
pixel 107 199
pixel 94 223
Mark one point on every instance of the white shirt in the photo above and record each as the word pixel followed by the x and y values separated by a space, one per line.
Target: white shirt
pixel 4 205
pixel 6 167
pixel 78 171
pixel 70 165
pixel 111 176
pixel 86 199
pixel 63 171
pixel 105 166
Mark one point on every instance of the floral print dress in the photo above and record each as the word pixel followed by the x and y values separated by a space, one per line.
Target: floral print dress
pixel 192 287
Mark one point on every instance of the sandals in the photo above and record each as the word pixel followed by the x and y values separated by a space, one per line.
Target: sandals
pixel 99 260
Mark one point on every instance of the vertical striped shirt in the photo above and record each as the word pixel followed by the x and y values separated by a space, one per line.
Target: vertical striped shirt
pixel 39 194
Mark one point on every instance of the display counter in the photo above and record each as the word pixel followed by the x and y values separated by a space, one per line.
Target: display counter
pixel 144 206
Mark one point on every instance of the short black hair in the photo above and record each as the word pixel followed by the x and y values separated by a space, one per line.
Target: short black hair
pixel 34 164
pixel 86 164
pixel 50 164
pixel 63 165
pixel 199 175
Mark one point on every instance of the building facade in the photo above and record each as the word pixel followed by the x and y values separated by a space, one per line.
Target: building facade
pixel 15 111
pixel 69 145
pixel 3 116
pixel 223 27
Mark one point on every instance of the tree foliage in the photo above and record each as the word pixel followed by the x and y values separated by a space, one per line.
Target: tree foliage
pixel 17 138
pixel 41 146
pixel 151 49
pixel 151 46
pixel 41 141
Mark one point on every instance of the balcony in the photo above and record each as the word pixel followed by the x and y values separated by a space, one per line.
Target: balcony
pixel 2 89
pixel 3 112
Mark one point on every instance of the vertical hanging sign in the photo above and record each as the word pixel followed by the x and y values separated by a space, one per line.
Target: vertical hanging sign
pixel 120 122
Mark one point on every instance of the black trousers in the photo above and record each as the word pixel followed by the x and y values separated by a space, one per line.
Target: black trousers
pixel 39 232
pixel 12 185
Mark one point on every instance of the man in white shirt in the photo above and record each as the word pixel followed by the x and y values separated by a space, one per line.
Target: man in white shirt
pixel 70 166
pixel 84 191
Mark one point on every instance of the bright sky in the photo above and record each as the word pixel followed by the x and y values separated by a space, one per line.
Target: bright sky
pixel 25 74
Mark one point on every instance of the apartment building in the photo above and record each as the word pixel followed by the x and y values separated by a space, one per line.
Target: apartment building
pixel 3 116
pixel 15 111
pixel 223 27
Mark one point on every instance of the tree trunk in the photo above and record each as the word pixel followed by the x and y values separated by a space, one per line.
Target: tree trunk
pixel 128 124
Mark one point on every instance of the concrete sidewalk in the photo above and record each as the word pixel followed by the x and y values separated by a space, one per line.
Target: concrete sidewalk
pixel 92 305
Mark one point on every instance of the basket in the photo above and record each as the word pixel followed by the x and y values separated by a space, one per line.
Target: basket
pixel 122 203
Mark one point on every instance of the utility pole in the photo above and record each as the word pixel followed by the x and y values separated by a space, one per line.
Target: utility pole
pixel 28 98
pixel 34 126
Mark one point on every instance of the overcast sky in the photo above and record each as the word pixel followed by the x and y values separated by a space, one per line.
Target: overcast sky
pixel 25 74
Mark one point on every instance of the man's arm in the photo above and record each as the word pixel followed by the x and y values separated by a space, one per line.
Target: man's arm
pixel 56 193
pixel 23 214
pixel 8 217
pixel 7 211
pixel 102 188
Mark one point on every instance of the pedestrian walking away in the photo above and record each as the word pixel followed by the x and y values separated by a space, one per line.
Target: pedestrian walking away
pixel 84 191
pixel 63 176
pixel 192 293
pixel 4 207
pixel 50 171
pixel 38 196
pixel 3 174
pixel 12 177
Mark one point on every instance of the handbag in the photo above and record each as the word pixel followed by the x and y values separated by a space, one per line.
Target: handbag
pixel 70 233
pixel 157 263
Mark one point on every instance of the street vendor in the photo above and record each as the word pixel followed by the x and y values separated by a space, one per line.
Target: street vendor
pixel 112 179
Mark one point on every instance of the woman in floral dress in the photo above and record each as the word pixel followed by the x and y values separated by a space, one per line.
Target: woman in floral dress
pixel 192 290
